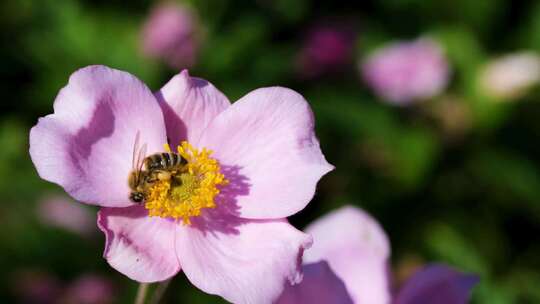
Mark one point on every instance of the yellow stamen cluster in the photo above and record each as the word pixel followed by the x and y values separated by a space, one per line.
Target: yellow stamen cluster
pixel 190 189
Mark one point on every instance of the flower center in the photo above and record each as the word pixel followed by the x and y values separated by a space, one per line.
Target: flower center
pixel 189 189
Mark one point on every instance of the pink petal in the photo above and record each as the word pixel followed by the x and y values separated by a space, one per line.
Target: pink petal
pixel 90 289
pixel 437 284
pixel 139 246
pixel 171 32
pixel 34 286
pixel 267 137
pixel 320 285
pixel 403 72
pixel 357 250
pixel 189 105
pixel 62 212
pixel 242 261
pixel 86 145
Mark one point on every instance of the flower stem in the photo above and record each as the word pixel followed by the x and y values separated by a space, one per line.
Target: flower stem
pixel 141 293
pixel 160 291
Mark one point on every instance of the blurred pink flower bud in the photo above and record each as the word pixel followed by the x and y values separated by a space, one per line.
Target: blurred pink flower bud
pixel 326 49
pixel 510 76
pixel 62 212
pixel 33 286
pixel 90 289
pixel 405 72
pixel 170 33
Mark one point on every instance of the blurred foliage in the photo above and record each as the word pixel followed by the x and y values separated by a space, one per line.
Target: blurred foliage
pixel 471 200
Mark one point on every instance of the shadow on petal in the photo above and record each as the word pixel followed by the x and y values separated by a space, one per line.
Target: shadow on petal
pixel 176 128
pixel 320 285
pixel 225 217
pixel 101 125
pixel 439 284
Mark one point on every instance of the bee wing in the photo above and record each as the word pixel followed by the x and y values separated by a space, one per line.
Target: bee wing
pixel 135 151
pixel 139 152
pixel 140 161
pixel 140 157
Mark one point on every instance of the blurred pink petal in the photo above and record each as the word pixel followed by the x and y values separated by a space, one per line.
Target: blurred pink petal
pixel 86 145
pixel 170 33
pixel 326 49
pixel 90 289
pixel 348 263
pixel 357 250
pixel 405 72
pixel 437 284
pixel 34 286
pixel 62 212
pixel 269 136
pixel 511 75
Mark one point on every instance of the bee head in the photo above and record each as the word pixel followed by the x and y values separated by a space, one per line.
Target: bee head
pixel 136 197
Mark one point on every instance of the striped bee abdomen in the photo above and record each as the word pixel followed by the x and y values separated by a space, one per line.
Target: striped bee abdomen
pixel 163 161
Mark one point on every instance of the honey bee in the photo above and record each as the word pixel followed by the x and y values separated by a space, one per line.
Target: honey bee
pixel 146 170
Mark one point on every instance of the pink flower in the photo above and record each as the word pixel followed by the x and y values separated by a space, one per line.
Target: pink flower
pixel 221 218
pixel 34 286
pixel 326 49
pixel 90 289
pixel 348 263
pixel 170 33
pixel 404 72
pixel 64 213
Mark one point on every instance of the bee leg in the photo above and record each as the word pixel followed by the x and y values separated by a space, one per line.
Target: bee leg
pixel 150 178
pixel 163 175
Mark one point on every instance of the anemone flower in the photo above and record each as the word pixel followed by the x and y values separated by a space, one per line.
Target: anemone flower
pixel 221 218
pixel 404 72
pixel 348 263
pixel 171 33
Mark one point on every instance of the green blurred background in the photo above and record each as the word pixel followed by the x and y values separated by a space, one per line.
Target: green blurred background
pixel 461 189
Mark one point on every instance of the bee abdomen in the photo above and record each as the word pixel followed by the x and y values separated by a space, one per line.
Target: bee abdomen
pixel 177 160
pixel 164 161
